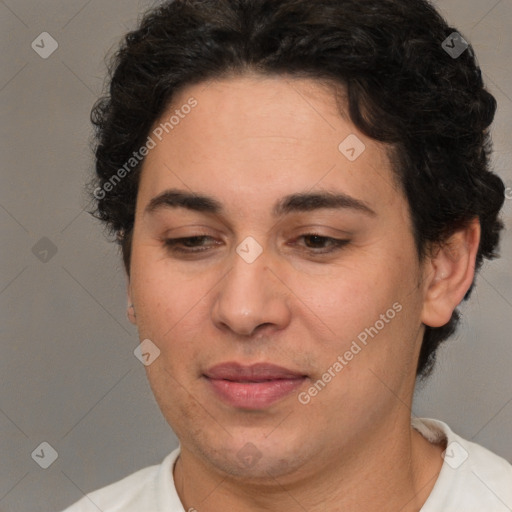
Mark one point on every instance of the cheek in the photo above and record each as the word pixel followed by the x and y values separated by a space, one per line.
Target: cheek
pixel 355 298
pixel 163 297
pixel 373 311
pixel 168 308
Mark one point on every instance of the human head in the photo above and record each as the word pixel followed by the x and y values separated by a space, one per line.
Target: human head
pixel 402 88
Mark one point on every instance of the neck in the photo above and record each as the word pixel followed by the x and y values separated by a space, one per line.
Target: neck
pixel 396 470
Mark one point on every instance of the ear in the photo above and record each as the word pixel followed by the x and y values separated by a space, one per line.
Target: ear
pixel 130 312
pixel 449 274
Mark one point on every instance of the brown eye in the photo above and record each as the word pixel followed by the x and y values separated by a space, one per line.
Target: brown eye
pixel 322 244
pixel 188 245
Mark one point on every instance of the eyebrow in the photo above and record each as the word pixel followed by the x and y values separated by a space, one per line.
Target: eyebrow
pixel 300 202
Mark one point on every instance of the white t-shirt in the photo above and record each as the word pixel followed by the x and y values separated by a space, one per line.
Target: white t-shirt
pixel 472 479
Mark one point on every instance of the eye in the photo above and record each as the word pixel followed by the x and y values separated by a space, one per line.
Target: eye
pixel 319 244
pixel 188 245
pixel 314 243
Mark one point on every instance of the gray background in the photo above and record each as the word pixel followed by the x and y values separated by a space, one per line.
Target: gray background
pixel 69 376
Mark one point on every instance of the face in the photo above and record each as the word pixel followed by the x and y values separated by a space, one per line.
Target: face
pixel 276 272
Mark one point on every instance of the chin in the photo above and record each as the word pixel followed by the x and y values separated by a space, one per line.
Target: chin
pixel 257 457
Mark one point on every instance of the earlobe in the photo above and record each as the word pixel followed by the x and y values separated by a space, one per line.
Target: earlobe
pixel 132 317
pixel 449 275
pixel 130 312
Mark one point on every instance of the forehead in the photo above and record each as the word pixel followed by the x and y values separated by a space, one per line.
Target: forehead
pixel 263 136
pixel 247 108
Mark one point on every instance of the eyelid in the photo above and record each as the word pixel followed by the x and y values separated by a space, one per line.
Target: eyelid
pixel 300 229
pixel 323 231
pixel 335 244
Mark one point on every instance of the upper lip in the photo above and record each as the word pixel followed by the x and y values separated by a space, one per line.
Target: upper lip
pixel 252 373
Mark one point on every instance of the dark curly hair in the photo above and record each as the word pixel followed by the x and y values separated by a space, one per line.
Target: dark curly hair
pixel 403 88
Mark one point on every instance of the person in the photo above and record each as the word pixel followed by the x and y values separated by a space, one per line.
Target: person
pixel 303 197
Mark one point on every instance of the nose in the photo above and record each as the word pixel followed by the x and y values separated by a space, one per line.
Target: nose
pixel 251 298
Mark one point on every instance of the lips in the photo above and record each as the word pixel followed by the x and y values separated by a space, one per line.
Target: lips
pixel 252 387
pixel 258 372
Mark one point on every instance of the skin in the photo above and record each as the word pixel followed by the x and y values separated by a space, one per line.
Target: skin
pixel 250 141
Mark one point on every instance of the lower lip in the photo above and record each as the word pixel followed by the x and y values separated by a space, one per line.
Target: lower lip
pixel 254 395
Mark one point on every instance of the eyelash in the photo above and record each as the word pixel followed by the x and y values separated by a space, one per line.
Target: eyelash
pixel 172 244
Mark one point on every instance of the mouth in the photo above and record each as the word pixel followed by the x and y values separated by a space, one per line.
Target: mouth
pixel 252 387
